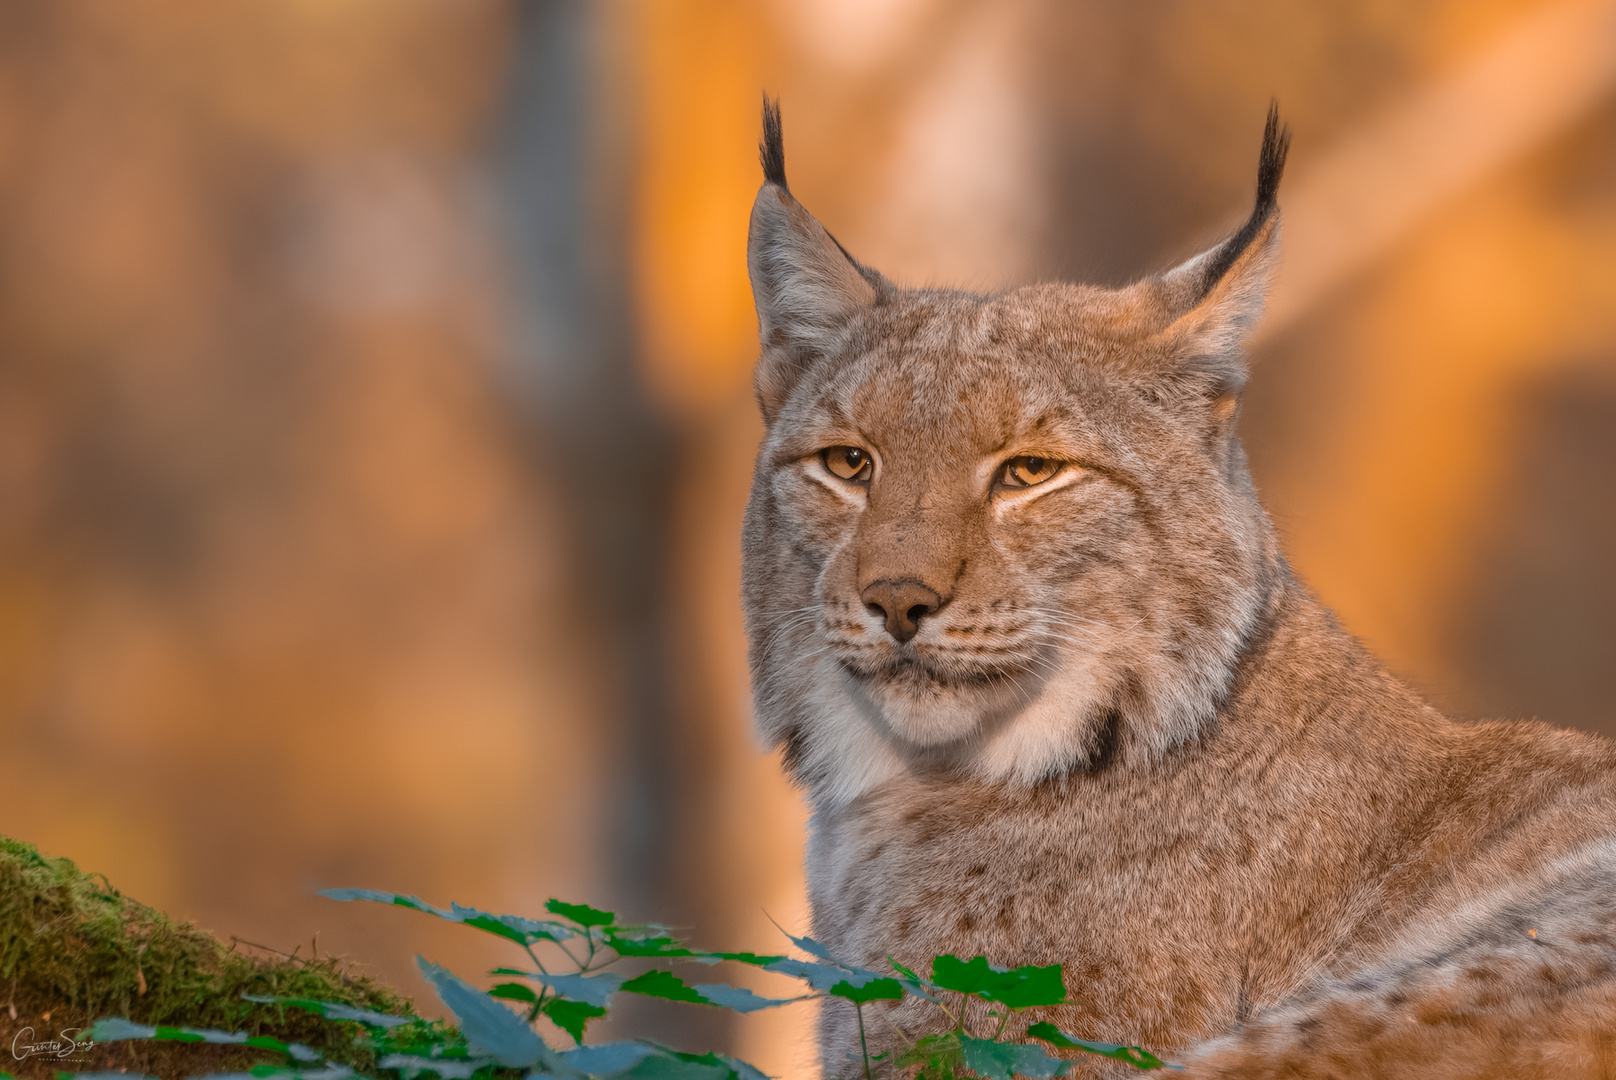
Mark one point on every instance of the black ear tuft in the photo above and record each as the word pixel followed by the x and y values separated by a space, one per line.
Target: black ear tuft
pixel 772 150
pixel 1276 144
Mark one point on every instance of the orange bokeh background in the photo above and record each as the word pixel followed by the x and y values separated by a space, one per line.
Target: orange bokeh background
pixel 375 418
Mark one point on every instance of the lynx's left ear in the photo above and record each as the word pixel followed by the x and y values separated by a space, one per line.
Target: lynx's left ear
pixel 1210 303
pixel 806 286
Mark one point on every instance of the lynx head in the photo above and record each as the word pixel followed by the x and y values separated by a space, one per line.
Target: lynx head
pixel 1010 535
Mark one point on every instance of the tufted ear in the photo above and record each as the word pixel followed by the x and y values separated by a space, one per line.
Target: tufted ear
pixel 805 284
pixel 1210 304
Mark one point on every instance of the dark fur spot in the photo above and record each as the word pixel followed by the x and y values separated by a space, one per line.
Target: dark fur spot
pixel 1006 916
pixel 792 746
pixel 1109 737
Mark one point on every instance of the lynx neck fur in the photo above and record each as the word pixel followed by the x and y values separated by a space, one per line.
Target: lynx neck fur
pixel 1027 640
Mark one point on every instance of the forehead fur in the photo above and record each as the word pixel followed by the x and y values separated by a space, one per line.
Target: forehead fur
pixel 1079 322
pixel 988 368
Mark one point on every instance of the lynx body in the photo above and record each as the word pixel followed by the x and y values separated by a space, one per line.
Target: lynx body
pixel 1027 640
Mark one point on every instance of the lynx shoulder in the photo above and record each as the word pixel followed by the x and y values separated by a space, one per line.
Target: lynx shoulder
pixel 1029 644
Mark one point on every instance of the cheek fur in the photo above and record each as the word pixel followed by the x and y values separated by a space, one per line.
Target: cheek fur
pixel 1061 537
pixel 816 521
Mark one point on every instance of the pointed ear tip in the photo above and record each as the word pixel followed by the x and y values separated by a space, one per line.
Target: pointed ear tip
pixel 772 207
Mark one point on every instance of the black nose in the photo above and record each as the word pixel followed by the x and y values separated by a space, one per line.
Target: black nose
pixel 903 603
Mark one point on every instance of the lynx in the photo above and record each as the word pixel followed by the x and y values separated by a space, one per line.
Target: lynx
pixel 1028 643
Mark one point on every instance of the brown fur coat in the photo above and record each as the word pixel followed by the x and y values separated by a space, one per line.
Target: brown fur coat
pixel 1026 636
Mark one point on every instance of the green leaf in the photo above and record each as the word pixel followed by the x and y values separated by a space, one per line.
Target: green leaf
pixel 334 1010
pixel 836 977
pixel 513 992
pixel 1019 988
pixel 511 927
pixel 652 946
pixel 117 1029
pixel 751 958
pixel 755 959
pixel 912 982
pixel 1000 1061
pixel 607 1059
pixel 812 947
pixel 654 941
pixel 817 976
pixel 743 1070
pixel 646 1061
pixel 490 1028
pixel 663 984
pixel 411 1065
pixel 952 973
pixel 595 990
pixel 572 1016
pixel 935 1054
pixel 901 970
pixel 672 1065
pixel 873 990
pixel 668 1067
pixel 824 976
pixel 1133 1055
pixel 667 985
pixel 582 914
pixel 739 998
pixel 257 1072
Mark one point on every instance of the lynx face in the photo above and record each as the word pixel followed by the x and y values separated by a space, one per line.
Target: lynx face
pixel 1006 533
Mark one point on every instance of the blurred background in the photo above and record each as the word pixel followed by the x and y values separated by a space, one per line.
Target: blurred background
pixel 375 419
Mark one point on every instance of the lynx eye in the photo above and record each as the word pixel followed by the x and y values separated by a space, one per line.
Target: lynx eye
pixel 1028 471
pixel 848 462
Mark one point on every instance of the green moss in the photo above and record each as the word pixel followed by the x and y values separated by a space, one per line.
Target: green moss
pixel 73 949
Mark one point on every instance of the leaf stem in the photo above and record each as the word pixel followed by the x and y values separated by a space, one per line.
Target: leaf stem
pixel 893 1024
pixel 863 1045
pixel 538 1005
pixel 571 957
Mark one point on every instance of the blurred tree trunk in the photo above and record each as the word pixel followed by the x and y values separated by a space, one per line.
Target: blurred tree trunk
pixel 565 154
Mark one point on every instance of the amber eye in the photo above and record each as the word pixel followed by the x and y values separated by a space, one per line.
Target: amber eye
pixel 1027 471
pixel 849 463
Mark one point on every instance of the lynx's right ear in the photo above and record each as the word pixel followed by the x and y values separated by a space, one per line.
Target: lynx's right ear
pixel 1204 309
pixel 806 286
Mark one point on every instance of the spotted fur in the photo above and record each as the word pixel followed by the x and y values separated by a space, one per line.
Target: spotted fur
pixel 1128 740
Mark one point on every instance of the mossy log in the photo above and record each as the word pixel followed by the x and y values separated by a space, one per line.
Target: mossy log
pixel 74 949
